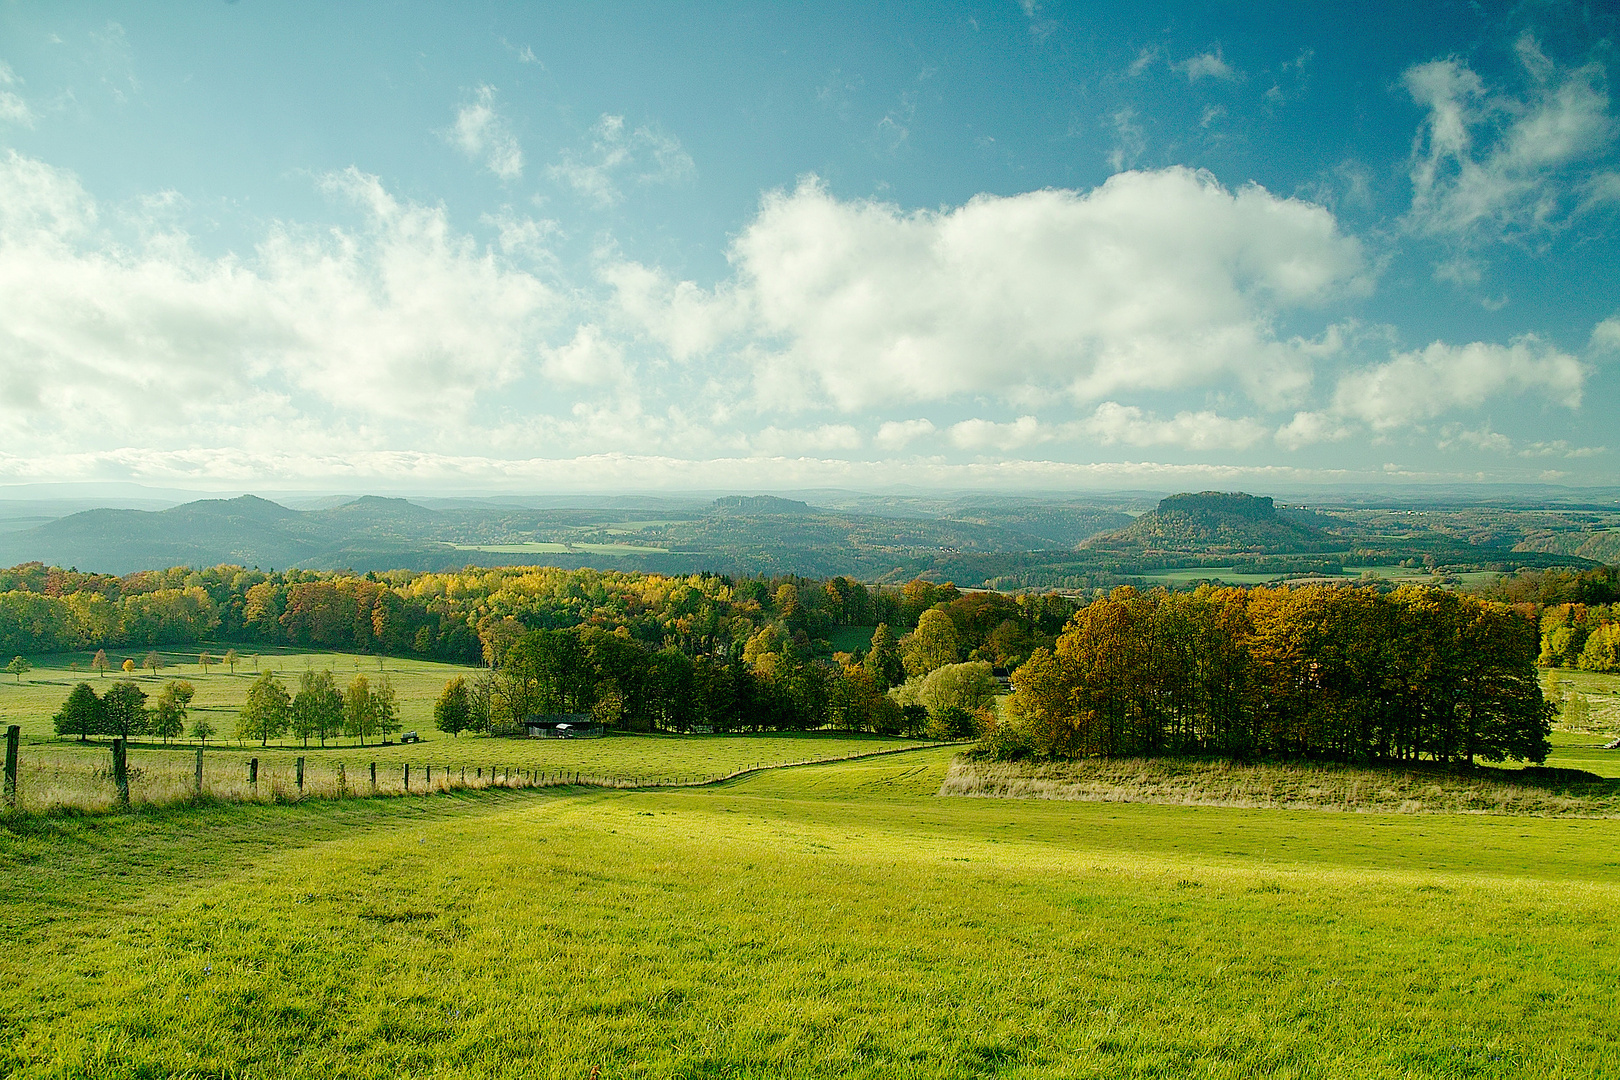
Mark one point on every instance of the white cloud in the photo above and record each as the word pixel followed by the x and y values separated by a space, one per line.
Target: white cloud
pixel 1606 335
pixel 1416 386
pixel 1487 162
pixel 643 154
pixel 898 434
pixel 13 109
pixel 828 438
pixel 1311 427
pixel 484 135
pixel 587 360
pixel 102 340
pixel 1131 142
pixel 987 434
pixel 1203 430
pixel 1209 65
pixel 1153 281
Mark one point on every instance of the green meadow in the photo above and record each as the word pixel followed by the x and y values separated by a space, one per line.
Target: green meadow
pixel 828 920
pixel 843 918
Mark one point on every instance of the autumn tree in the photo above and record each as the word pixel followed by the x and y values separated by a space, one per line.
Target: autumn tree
pixel 231 659
pixel 100 663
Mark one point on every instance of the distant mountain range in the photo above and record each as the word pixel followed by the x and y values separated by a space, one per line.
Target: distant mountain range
pixel 998 540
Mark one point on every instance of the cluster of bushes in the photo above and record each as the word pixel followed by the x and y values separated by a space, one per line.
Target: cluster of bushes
pixel 1322 672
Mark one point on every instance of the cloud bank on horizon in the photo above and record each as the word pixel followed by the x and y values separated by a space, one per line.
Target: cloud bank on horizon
pixel 568 252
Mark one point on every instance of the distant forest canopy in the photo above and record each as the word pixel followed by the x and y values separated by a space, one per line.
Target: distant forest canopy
pixel 1575 609
pixel 1318 672
pixel 474 615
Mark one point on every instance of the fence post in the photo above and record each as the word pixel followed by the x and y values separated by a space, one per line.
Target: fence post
pixel 464 776
pixel 13 737
pixel 343 781
pixel 407 778
pixel 430 776
pixel 199 770
pixel 300 776
pixel 253 774
pixel 373 777
pixel 121 771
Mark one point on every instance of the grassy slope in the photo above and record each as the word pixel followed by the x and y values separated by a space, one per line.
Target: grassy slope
pixel 831 920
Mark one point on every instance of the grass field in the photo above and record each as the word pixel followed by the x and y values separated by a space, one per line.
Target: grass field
pixel 834 920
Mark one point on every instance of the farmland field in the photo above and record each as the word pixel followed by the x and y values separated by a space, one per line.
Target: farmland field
pixel 830 920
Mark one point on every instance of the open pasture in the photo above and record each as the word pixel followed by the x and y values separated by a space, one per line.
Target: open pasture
pixel 834 920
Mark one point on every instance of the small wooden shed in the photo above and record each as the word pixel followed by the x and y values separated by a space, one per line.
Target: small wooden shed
pixel 562 726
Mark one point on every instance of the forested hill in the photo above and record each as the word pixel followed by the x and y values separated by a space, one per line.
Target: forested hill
pixel 1214 523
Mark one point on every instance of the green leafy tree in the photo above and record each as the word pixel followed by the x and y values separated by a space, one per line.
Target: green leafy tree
pixel 453 711
pixel 480 697
pixel 231 660
pixel 168 714
pixel 385 703
pixel 883 661
pixel 80 714
pixel 123 710
pixel 205 659
pixel 19 667
pixel 359 710
pixel 264 715
pixel 153 661
pixel 100 663
pixel 317 708
pixel 932 645
pixel 202 729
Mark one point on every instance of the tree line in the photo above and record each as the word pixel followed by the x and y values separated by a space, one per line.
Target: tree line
pixel 469 617
pixel 1317 672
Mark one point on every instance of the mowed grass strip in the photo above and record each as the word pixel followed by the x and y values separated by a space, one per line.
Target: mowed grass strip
pixel 836 920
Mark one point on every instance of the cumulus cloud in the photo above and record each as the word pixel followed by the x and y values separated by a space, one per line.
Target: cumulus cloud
pixel 1416 386
pixel 102 339
pixel 643 154
pixel 1485 162
pixel 898 434
pixel 484 135
pixel 1155 280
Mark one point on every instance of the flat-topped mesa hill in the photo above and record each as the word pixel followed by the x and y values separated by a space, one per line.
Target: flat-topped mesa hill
pixel 1214 523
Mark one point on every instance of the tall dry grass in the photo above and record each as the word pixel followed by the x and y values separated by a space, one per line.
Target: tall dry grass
pixel 1343 788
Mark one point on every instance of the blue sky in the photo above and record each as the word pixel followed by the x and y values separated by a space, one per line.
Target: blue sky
pixel 1025 245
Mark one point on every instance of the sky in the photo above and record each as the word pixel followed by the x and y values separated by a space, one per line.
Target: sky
pixel 500 247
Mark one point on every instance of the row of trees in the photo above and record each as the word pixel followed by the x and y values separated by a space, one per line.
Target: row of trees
pixel 1323 672
pixel 317 710
pixel 124 711
pixel 1584 636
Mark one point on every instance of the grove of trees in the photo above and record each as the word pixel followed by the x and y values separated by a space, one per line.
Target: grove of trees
pixel 1320 672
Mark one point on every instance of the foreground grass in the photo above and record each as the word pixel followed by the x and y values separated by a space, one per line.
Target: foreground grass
pixel 833 920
